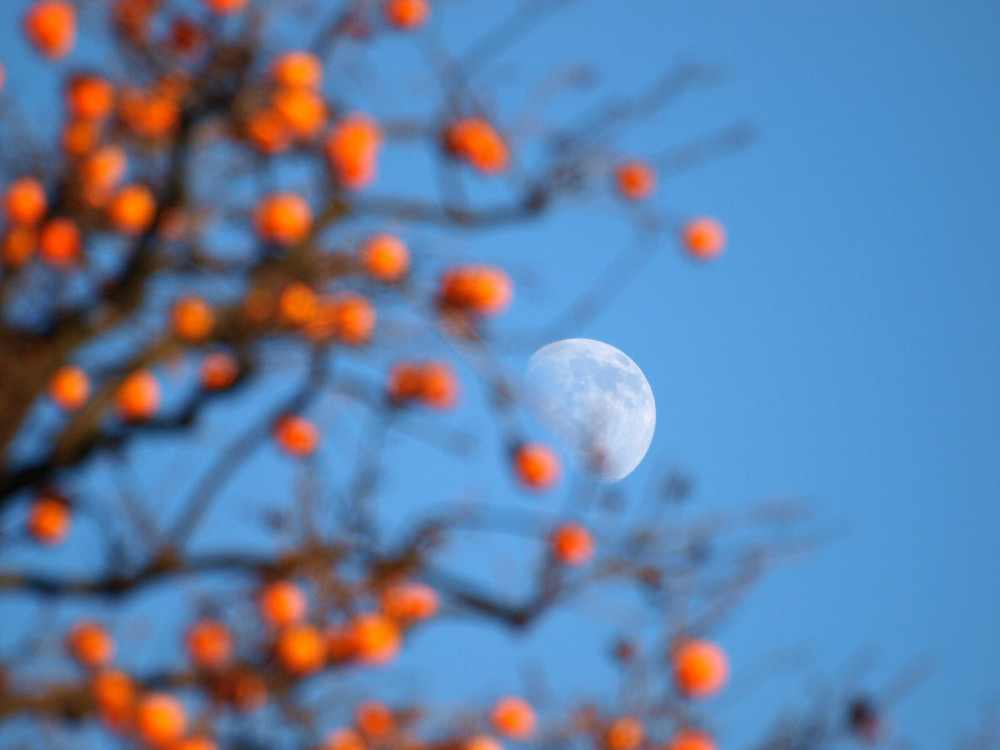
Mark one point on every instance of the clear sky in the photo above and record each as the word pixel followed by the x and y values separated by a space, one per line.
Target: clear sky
pixel 844 350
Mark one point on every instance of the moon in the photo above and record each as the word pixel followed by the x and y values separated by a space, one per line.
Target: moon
pixel 594 399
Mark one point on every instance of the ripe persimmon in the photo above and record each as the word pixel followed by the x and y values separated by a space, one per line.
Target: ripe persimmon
pixel 635 180
pixel 483 290
pixel 303 110
pixel 160 720
pixel 114 695
pixel 374 720
pixel 476 141
pixel 89 97
pixel 201 742
pixel 352 150
pixel 50 26
pixel 282 603
pixel 60 243
pixel 377 639
pixel 18 246
pixel 406 14
pixel 700 668
pixel 691 739
pixel 297 69
pixel 226 7
pixel 514 717
pixel 571 544
pixel 354 318
pixel 296 435
pixel 132 209
pixel 301 649
pixel 626 733
pixel 438 385
pixel 25 202
pixel 344 738
pixel 49 519
pixel 103 170
pixel 297 304
pixel 218 371
pixel 150 114
pixel 409 602
pixel 385 257
pixel 192 318
pixel 209 644
pixel 482 742
pixel 91 645
pixel 536 466
pixel 268 131
pixel 79 138
pixel 283 218
pixel 138 396
pixel 703 238
pixel 69 388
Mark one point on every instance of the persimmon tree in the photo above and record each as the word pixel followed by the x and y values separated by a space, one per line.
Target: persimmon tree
pixel 214 266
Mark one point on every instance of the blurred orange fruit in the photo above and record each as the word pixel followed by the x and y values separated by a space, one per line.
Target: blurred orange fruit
pixel 49 520
pixel 282 603
pixel 571 544
pixel 50 26
pixel 537 466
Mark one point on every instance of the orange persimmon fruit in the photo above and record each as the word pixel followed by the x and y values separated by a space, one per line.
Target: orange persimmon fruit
pixel 160 720
pixel 301 649
pixel 626 733
pixel 536 466
pixel 209 644
pixel 18 246
pixel 352 150
pixel 114 695
pixel 49 519
pixel 691 739
pixel 283 218
pixel 571 544
pixel 374 720
pixel 409 602
pixel 218 371
pixel 700 668
pixel 192 318
pixel 296 435
pixel 406 14
pixel 91 645
pixel 476 141
pixel 89 97
pixel 132 209
pixel 353 318
pixel 703 238
pixel 514 717
pixel 138 396
pixel 297 69
pixel 60 242
pixel 385 257
pixel 25 202
pixel 377 639
pixel 226 7
pixel 483 290
pixel 69 388
pixel 635 180
pixel 282 603
pixel 50 26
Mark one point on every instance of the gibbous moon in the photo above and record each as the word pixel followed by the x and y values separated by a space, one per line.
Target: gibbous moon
pixel 596 400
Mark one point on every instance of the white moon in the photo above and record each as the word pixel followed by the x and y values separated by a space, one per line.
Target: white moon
pixel 596 400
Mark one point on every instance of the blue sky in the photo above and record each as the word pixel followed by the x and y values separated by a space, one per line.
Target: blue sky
pixel 844 350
